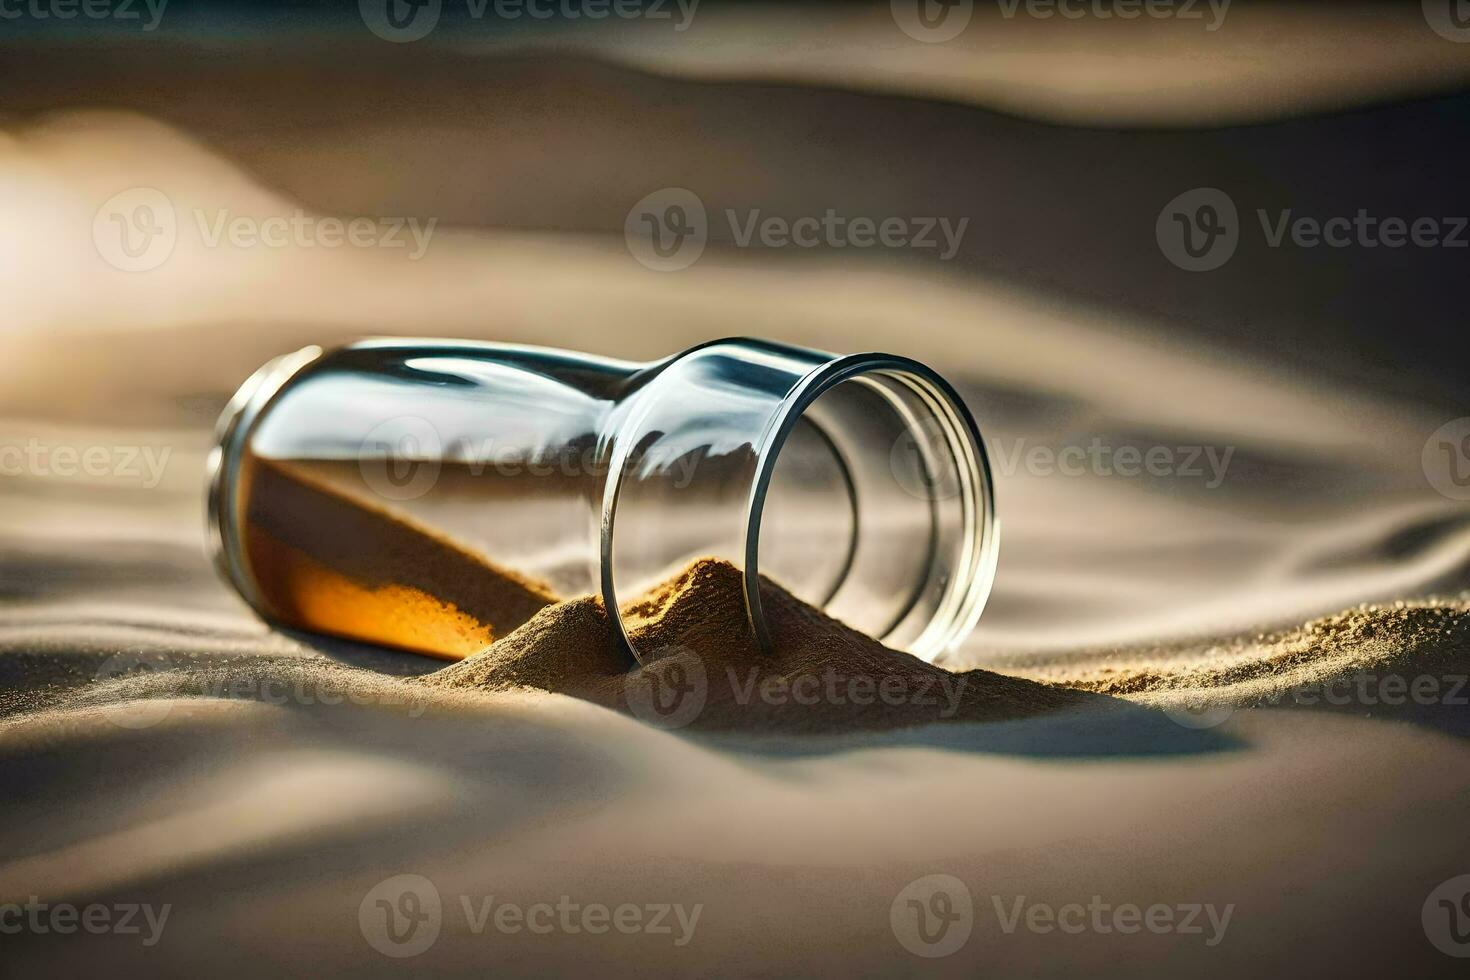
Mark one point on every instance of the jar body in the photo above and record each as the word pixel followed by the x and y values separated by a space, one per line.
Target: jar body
pixel 433 495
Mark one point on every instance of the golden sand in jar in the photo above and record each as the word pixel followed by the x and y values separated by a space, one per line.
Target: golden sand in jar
pixel 333 563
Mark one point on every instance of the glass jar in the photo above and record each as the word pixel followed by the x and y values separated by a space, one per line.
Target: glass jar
pixel 432 494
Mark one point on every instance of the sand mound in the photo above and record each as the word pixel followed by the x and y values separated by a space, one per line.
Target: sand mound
pixel 1370 657
pixel 705 672
pixel 569 647
pixel 332 562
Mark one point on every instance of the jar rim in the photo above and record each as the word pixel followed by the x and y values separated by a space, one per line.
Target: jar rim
pixel 969 588
pixel 955 597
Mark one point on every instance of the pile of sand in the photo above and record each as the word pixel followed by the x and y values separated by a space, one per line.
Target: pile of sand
pixel 1368 658
pixel 337 563
pixel 820 675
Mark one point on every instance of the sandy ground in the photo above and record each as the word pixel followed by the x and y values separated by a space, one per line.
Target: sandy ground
pixel 264 819
pixel 264 816
pixel 1213 770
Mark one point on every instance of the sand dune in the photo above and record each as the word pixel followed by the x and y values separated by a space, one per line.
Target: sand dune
pixel 1403 660
pixel 821 676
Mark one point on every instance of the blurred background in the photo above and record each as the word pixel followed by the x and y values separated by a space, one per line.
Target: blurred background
pixel 1097 220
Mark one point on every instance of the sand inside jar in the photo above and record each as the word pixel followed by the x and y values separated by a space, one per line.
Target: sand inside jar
pixel 336 564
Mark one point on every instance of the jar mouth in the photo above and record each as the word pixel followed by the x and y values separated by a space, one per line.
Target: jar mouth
pixel 858 484
pixel 945 474
pixel 222 468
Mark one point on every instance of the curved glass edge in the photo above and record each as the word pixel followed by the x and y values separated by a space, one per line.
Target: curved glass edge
pixel 222 468
pixel 969 589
